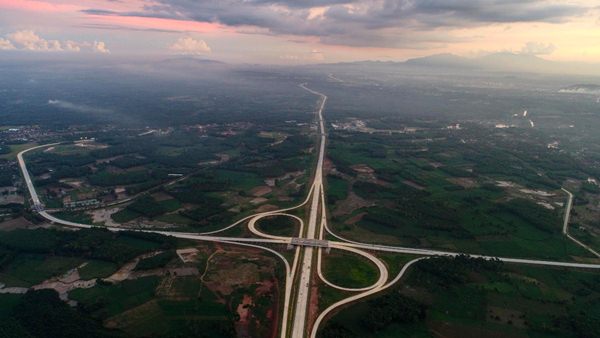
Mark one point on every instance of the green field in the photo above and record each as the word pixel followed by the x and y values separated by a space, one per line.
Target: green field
pixel 109 300
pixel 124 215
pixel 97 269
pixel 30 269
pixel 202 316
pixel 348 269
pixel 279 226
pixel 79 217
pixel 175 218
pixel 337 189
pixel 156 261
pixel 242 180
pixel 15 149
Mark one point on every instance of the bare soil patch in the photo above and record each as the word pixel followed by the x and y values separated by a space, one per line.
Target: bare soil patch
pixel 258 200
pixel 464 182
pixel 161 196
pixel 355 219
pixel 362 169
pixel 188 255
pixel 17 223
pixel 413 184
pixel 350 204
pixel 266 207
pixel 260 191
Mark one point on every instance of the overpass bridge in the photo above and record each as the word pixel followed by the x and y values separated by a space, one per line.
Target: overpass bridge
pixel 316 243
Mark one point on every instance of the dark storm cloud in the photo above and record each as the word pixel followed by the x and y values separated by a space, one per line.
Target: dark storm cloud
pixel 301 3
pixel 454 12
pixel 126 28
pixel 146 13
pixel 359 22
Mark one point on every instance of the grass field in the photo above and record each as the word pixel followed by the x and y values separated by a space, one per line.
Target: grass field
pixel 279 226
pixel 165 317
pixel 79 216
pixel 70 149
pixel 240 179
pixel 175 218
pixel 97 269
pixel 170 205
pixel 394 261
pixel 124 215
pixel 109 300
pixel 15 149
pixel 337 189
pixel 29 269
pixel 349 270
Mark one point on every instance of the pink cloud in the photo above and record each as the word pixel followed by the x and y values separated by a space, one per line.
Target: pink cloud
pixel 38 6
pixel 158 23
pixel 73 6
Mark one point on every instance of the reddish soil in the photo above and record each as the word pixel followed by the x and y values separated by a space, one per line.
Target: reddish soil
pixel 313 302
pixel 464 182
pixel 350 204
pixel 16 223
pixel 355 219
pixel 265 287
pixel 413 184
pixel 260 191
pixel 243 310
pixel 273 313
pixel 266 207
pixel 362 169
pixel 327 166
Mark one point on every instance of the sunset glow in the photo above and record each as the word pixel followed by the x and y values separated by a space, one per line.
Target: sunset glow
pixel 288 31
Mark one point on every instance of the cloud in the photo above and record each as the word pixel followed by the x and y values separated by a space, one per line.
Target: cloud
pixel 190 46
pixel 71 46
pixel 6 44
pixel 100 47
pixel 128 28
pixel 386 23
pixel 28 40
pixel 80 108
pixel 537 48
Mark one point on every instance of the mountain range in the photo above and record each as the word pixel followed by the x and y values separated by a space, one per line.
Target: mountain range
pixel 502 62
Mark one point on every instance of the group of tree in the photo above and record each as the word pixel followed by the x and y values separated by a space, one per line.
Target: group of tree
pixel 447 271
pixel 41 314
pixel 89 243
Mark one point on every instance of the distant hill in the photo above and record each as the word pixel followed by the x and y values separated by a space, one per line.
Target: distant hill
pixel 504 62
pixel 189 61
pixel 441 60
pixel 516 62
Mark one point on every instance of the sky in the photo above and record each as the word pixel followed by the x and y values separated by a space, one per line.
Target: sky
pixel 302 31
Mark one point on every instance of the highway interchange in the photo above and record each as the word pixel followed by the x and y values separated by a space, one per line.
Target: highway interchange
pixel 309 244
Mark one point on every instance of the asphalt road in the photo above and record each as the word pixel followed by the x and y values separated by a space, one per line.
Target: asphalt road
pixel 303 286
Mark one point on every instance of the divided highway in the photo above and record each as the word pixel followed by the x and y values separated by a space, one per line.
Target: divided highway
pixel 303 287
